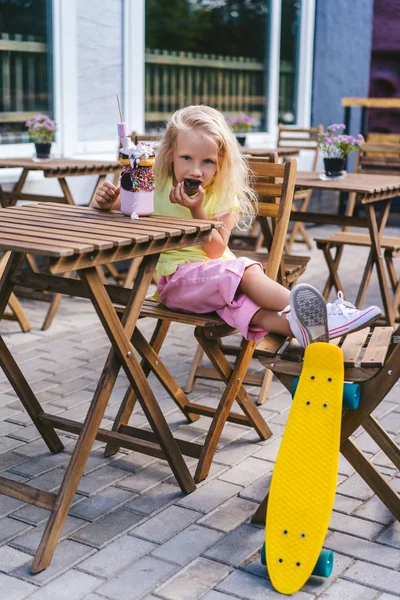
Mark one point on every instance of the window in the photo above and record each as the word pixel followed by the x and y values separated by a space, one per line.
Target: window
pixel 206 51
pixel 26 85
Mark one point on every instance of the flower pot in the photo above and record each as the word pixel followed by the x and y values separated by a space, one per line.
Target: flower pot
pixel 241 138
pixel 43 150
pixel 334 169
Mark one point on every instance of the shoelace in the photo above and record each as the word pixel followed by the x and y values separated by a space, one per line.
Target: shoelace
pixel 284 311
pixel 341 307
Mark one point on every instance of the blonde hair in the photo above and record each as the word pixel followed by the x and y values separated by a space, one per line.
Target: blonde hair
pixel 232 179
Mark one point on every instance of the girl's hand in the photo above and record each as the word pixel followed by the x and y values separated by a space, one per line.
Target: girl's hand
pixel 106 195
pixel 177 195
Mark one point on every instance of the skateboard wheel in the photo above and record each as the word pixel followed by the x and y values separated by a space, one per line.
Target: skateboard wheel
pixel 324 565
pixel 351 396
pixel 263 556
pixel 295 383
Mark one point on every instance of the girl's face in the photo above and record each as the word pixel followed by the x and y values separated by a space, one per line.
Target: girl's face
pixel 194 157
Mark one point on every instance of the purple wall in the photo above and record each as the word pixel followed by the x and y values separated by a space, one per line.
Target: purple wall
pixel 385 64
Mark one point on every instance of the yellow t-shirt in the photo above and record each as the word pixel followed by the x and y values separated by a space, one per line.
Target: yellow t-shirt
pixel 170 260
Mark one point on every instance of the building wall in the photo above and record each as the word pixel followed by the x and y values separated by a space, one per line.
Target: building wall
pixel 99 67
pixel 342 55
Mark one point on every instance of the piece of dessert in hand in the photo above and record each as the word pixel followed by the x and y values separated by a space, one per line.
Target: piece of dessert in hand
pixel 137 180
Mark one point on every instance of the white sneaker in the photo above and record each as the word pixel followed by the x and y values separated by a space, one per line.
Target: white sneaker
pixel 307 315
pixel 344 317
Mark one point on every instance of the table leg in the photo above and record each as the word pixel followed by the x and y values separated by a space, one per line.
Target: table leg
pixel 376 253
pixel 66 191
pixel 120 334
pixel 8 198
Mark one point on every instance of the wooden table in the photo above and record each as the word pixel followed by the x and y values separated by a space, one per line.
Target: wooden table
pixel 59 169
pixel 374 192
pixel 82 239
pixel 282 151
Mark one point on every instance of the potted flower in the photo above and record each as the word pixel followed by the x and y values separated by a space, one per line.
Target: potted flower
pixel 335 146
pixel 41 129
pixel 241 123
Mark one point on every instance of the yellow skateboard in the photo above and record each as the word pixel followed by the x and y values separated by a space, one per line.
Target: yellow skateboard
pixel 305 475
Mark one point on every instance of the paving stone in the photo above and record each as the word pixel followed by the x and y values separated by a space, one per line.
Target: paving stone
pixel 269 450
pixel 7 443
pixel 345 504
pixel 364 550
pixel 154 500
pixel 37 466
pixel 380 578
pixel 188 544
pixel 391 536
pixel 257 491
pixel 9 505
pixel 375 510
pixel 344 590
pixel 166 524
pixel 100 479
pixel 192 582
pixel 138 579
pixel 249 587
pixel 97 506
pixel 12 589
pixel 147 478
pixel 356 487
pixel 354 526
pixel 74 399
pixel 105 530
pixel 11 558
pixel 116 556
pixel 70 586
pixel 247 472
pixel 213 595
pixel 209 496
pixel 10 528
pixel 67 554
pixel 29 541
pixel 237 546
pixel 230 515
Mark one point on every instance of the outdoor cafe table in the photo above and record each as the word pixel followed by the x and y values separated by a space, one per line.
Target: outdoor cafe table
pixel 82 239
pixel 59 169
pixel 375 193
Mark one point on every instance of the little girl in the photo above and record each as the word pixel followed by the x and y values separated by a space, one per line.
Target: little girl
pixel 199 154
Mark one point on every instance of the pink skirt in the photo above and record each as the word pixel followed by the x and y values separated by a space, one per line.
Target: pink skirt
pixel 211 286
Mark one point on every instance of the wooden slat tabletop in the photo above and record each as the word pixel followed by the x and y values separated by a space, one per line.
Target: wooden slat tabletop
pixel 281 151
pixel 62 167
pixel 361 183
pixel 58 230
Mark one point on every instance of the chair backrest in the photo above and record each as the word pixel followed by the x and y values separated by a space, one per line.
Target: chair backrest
pixel 303 138
pixel 379 159
pixel 376 159
pixel 145 137
pixel 274 185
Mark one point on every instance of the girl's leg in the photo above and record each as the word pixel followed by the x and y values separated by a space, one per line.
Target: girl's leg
pixel 271 296
pixel 263 290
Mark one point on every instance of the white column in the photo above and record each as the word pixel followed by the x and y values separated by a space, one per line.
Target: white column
pixel 134 65
pixel 65 75
pixel 306 60
pixel 273 68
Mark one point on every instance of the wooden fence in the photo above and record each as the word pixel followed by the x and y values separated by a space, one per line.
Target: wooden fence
pixel 173 79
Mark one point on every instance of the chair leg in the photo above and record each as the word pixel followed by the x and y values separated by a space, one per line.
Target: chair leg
pixel 188 387
pixel 129 400
pixel 234 389
pixel 266 384
pixel 19 313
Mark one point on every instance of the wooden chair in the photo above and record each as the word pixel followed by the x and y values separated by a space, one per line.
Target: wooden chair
pixel 372 359
pixel 290 270
pixel 379 159
pixel 277 202
pixel 16 312
pixel 303 139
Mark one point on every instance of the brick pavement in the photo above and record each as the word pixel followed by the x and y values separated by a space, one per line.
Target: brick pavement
pixel 131 533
